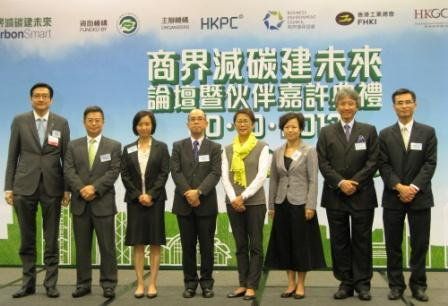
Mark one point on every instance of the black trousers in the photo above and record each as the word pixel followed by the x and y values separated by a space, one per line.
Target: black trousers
pixel 419 226
pixel 247 229
pixel 26 209
pixel 193 228
pixel 351 247
pixel 104 227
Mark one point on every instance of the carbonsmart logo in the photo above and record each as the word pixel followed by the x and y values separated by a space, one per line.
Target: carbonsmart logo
pixel 273 20
pixel 128 24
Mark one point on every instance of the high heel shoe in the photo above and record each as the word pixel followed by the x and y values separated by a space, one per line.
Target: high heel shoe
pixel 287 294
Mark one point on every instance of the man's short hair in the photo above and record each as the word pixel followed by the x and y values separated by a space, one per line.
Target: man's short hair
pixel 402 91
pixel 45 85
pixel 93 109
pixel 344 92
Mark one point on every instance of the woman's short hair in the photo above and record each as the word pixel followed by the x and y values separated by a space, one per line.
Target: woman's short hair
pixel 245 111
pixel 289 116
pixel 139 116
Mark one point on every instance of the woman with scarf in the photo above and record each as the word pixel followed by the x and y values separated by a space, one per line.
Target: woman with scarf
pixel 245 164
pixel 295 244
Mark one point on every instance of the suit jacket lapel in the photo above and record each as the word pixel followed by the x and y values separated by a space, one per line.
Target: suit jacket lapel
pixel 154 147
pixel 397 134
pixel 33 128
pixel 298 161
pixel 134 157
pixel 281 158
pixel 341 134
pixel 188 149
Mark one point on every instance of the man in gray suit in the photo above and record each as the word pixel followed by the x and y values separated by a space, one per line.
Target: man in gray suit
pixel 408 159
pixel 92 165
pixel 196 169
pixel 34 175
pixel 347 153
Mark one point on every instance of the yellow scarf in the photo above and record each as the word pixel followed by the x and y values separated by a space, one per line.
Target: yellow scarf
pixel 240 152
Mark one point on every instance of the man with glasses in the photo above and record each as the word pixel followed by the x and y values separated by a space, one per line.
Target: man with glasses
pixel 37 147
pixel 408 159
pixel 196 169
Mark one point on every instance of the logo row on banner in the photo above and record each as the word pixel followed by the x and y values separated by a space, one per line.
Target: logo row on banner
pixel 40 27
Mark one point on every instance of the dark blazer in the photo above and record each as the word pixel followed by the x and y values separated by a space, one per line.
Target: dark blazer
pixel 104 173
pixel 156 173
pixel 28 160
pixel 414 166
pixel 339 159
pixel 190 174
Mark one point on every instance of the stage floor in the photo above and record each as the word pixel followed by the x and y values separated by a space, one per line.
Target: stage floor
pixel 319 291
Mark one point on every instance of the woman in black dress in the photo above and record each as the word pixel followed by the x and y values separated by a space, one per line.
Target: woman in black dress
pixel 144 171
pixel 295 244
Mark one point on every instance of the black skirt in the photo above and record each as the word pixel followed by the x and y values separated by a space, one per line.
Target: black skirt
pixel 295 243
pixel 145 225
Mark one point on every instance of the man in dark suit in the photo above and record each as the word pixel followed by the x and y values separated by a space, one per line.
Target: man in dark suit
pixel 196 169
pixel 408 158
pixel 34 175
pixel 347 153
pixel 92 165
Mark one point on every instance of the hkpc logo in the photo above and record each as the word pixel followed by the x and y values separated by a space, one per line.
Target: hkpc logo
pixel 127 24
pixel 273 20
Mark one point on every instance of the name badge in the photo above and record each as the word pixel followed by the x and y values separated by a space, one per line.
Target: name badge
pixel 105 157
pixel 132 149
pixel 204 158
pixel 416 146
pixel 53 141
pixel 56 133
pixel 360 146
pixel 296 155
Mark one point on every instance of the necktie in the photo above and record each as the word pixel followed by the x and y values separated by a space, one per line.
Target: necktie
pixel 347 132
pixel 196 150
pixel 40 123
pixel 92 152
pixel 405 135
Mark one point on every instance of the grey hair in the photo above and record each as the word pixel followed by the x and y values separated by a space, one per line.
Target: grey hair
pixel 347 92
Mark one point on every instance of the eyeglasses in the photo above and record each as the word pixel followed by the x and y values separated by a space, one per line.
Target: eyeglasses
pixel 43 96
pixel 243 121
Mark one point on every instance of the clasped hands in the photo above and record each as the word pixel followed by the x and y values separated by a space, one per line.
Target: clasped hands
pixel 145 199
pixel 192 196
pixel 88 193
pixel 348 187
pixel 406 193
pixel 238 204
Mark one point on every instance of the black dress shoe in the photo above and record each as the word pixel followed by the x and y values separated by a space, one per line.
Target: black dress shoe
pixel 208 293
pixel 364 295
pixel 298 296
pixel 342 294
pixel 234 294
pixel 23 292
pixel 52 292
pixel 81 291
pixel 395 294
pixel 287 294
pixel 249 297
pixel 189 293
pixel 420 295
pixel 109 293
